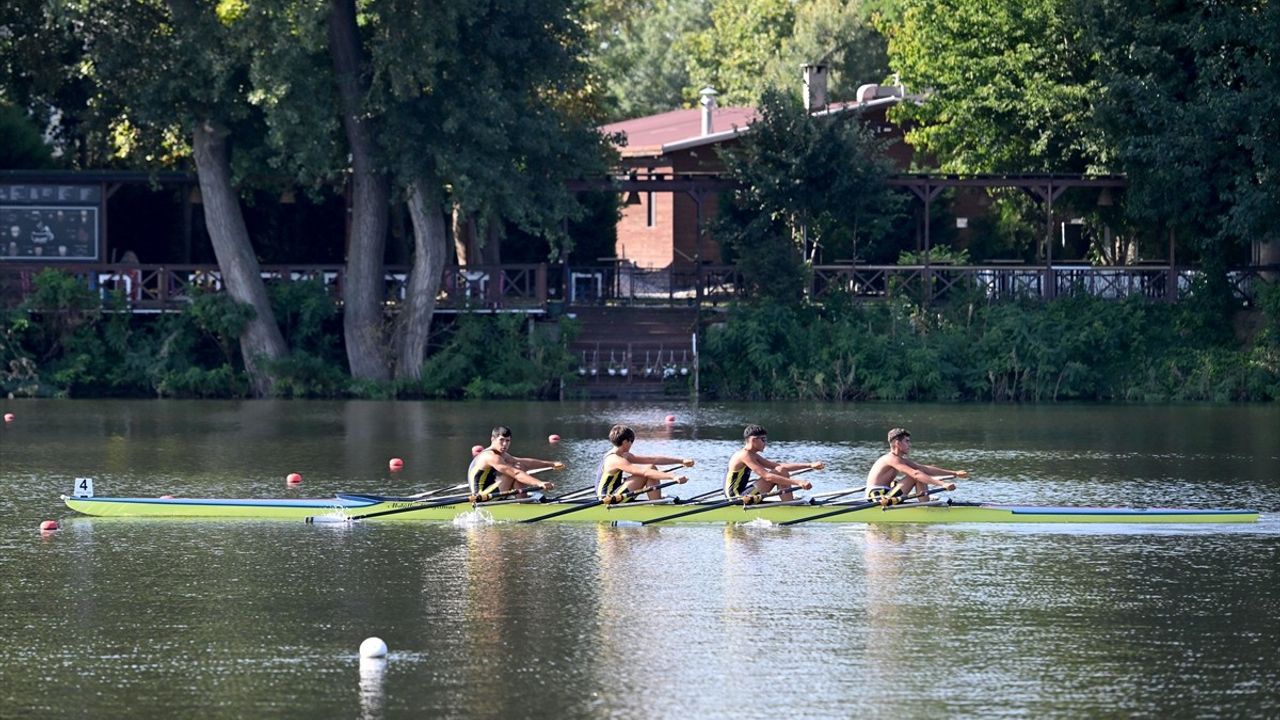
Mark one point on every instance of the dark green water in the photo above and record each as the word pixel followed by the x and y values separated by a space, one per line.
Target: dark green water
pixel 117 618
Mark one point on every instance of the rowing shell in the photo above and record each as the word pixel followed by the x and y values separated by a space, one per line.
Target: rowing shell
pixel 348 504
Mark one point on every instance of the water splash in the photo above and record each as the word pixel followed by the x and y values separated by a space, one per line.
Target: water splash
pixel 473 518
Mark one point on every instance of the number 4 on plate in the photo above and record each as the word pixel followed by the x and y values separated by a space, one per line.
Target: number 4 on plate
pixel 83 488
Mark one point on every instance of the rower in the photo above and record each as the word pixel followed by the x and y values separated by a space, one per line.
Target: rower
pixel 883 483
pixel 642 471
pixel 495 470
pixel 772 475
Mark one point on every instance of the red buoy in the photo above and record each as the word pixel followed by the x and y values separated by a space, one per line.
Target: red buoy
pixel 395 464
pixel 294 479
pixel 476 450
pixel 671 419
pixel 553 438
pixel 49 525
pixel 8 417
pixel 166 497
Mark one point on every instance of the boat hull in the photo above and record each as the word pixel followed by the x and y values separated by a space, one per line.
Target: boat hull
pixel 357 505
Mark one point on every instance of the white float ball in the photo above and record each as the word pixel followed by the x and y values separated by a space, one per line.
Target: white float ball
pixel 373 648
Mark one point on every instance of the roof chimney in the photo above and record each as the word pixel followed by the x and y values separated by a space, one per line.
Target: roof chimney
pixel 815 87
pixel 708 103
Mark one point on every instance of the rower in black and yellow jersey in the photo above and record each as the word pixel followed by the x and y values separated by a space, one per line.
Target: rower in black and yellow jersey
pixel 771 475
pixel 623 471
pixel 496 471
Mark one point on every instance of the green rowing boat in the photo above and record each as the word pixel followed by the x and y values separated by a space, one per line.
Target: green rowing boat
pixel 346 506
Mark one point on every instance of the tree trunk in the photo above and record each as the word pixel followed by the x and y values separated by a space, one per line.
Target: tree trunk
pixel 363 282
pixel 463 237
pixel 241 275
pixel 430 246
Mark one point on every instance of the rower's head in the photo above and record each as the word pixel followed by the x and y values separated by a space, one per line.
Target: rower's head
pixel 899 440
pixel 619 434
pixel 755 437
pixel 501 436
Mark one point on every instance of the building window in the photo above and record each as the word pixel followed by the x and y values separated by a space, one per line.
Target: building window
pixel 650 211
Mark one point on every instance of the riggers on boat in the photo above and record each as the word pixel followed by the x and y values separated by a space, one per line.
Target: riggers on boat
pixel 346 506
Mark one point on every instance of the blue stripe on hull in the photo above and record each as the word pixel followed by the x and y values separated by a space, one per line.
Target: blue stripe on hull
pixel 322 503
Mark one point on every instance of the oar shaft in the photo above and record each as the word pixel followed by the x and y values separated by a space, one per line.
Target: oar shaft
pixel 595 503
pixel 855 508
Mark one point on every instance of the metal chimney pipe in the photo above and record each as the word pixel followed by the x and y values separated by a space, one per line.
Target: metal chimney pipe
pixel 708 102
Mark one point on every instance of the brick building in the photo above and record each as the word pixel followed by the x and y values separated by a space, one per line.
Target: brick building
pixel 660 230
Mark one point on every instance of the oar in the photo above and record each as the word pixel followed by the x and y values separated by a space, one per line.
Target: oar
pixel 431 493
pixel 715 506
pixel 826 497
pixel 861 506
pixel 627 495
pixel 452 500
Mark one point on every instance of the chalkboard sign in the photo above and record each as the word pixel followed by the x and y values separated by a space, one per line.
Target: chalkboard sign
pixel 50 222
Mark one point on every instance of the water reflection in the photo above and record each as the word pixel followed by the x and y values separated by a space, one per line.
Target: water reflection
pixel 372 679
pixel 565 620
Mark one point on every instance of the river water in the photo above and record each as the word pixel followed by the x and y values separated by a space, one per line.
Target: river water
pixel 141 619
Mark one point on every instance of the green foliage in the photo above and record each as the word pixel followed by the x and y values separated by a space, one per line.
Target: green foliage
pixel 23 148
pixel 1010 86
pixel 751 46
pixel 808 183
pixel 1191 98
pixel 495 356
pixel 1078 348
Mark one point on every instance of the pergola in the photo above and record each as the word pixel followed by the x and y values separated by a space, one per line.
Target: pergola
pixel 1046 188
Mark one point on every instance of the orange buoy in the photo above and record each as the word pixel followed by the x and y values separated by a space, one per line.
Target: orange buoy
pixel 671 419
pixel 49 525
pixel 8 417
pixel 294 479
pixel 553 438
pixel 395 464
pixel 476 450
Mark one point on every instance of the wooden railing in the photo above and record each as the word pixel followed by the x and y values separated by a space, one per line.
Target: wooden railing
pixel 539 287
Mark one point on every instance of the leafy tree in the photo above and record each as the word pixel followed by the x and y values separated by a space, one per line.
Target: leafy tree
pixel 752 45
pixel 172 75
pixel 808 182
pixel 470 107
pixel 1010 86
pixel 1190 96
pixel 23 148
pixel 641 52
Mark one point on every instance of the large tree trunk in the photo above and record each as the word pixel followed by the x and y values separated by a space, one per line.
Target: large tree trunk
pixel 363 282
pixel 241 275
pixel 430 245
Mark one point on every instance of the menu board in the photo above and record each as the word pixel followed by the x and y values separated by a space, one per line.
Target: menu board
pixel 50 222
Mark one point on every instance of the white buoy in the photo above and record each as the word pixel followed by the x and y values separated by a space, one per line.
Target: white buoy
pixel 373 648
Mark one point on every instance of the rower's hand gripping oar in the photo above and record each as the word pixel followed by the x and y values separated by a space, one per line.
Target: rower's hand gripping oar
pixel 611 499
pixel 744 500
pixel 873 503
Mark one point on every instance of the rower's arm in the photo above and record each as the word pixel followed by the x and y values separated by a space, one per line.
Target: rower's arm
pixel 535 463
pixel 923 474
pixel 793 467
pixel 644 471
pixel 661 460
pixel 520 476
pixel 775 473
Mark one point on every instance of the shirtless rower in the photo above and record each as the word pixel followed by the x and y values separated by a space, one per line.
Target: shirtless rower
pixel 496 471
pixel 883 483
pixel 771 475
pixel 642 470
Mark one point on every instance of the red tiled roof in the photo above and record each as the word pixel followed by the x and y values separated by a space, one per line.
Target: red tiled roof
pixel 648 135
pixel 654 135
